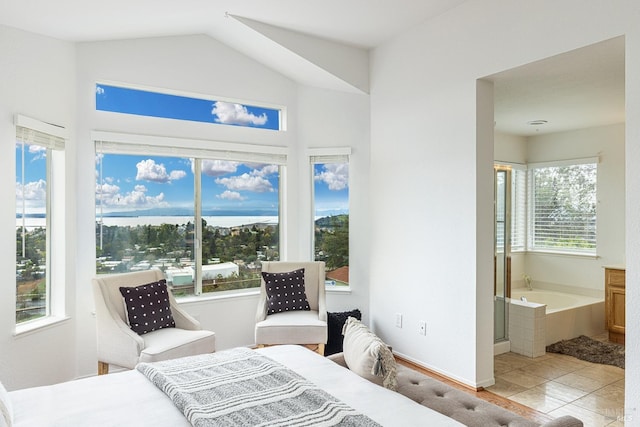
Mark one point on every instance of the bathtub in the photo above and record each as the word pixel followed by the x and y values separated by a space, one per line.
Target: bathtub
pixel 566 316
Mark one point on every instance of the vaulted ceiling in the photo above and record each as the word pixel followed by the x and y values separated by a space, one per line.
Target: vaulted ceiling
pixel 578 89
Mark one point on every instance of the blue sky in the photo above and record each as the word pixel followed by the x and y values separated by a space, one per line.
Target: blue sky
pixel 147 182
pixel 133 182
pixel 331 188
pixel 34 189
pixel 154 104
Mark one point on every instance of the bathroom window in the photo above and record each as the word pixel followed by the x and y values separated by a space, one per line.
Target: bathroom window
pixel 562 197
pixel 330 178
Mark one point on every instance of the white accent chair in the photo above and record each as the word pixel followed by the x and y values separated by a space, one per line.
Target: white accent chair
pixel 307 328
pixel 119 345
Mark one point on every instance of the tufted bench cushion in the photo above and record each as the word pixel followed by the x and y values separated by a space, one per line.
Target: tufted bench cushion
pixel 462 407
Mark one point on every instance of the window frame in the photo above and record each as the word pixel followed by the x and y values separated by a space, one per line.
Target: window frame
pixel 531 245
pixel 324 156
pixel 282 110
pixel 199 150
pixel 53 138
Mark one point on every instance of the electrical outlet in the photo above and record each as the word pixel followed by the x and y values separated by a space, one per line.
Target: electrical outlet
pixel 422 327
pixel 398 320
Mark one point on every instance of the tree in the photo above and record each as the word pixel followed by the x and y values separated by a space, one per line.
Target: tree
pixel 565 206
pixel 332 241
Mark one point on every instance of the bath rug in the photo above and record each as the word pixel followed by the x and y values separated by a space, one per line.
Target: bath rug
pixel 591 350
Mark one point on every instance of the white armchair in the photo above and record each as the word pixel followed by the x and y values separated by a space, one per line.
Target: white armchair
pixel 294 327
pixel 119 345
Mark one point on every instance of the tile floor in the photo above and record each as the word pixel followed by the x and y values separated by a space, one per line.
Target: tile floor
pixel 562 385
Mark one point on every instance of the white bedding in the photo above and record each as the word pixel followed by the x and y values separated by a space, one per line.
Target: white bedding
pixel 129 399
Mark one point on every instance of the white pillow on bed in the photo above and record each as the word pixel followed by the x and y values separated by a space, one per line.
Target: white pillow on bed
pixel 367 355
pixel 6 411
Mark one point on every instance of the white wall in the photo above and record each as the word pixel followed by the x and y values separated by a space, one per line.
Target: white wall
pixel 37 79
pixel 423 168
pixel 510 148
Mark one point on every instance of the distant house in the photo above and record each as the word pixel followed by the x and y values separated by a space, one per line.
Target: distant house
pixel 340 274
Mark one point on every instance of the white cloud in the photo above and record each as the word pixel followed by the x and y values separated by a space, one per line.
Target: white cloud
pixel 246 182
pixel 218 167
pixel 149 170
pixel 99 90
pixel 34 191
pixel 236 114
pixel 265 170
pixel 231 195
pixel 335 175
pixel 177 174
pixel 111 197
pixel 107 189
pixel 36 148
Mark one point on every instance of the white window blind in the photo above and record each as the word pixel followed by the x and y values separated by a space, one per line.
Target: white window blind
pixel 329 155
pixel 115 143
pixel 563 206
pixel 31 131
pixel 518 209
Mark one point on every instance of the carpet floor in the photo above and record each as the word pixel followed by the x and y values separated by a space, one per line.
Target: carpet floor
pixel 591 350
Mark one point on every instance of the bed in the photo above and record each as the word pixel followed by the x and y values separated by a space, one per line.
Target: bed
pixel 130 397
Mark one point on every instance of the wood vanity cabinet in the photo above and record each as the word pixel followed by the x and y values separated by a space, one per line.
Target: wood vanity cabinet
pixel 614 287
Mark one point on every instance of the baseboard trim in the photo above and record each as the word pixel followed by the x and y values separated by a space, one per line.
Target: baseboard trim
pixel 416 367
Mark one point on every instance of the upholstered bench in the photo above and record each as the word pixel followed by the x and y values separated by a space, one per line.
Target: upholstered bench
pixel 462 407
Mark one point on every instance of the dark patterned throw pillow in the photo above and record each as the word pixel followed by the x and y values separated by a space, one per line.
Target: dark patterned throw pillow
pixel 148 308
pixel 335 323
pixel 285 291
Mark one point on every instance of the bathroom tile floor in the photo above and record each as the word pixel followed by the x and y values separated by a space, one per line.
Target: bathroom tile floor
pixel 558 385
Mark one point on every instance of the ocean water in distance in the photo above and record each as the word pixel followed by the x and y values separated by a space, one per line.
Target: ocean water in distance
pixel 122 221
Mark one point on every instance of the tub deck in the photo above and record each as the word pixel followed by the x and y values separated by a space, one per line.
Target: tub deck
pixel 565 316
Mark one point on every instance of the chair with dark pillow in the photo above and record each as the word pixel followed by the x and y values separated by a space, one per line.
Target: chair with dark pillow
pixel 291 308
pixel 164 330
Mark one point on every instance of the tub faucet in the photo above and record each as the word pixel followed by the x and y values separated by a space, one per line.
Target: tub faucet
pixel 523 299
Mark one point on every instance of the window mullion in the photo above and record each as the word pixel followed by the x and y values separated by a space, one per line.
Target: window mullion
pixel 197 209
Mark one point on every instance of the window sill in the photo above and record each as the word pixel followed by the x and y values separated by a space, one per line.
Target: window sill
pixel 38 325
pixel 195 299
pixel 338 290
pixel 218 296
pixel 564 254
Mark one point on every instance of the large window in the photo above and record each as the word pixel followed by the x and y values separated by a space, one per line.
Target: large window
pixel 563 206
pixel 331 214
pixel 39 198
pixel 206 221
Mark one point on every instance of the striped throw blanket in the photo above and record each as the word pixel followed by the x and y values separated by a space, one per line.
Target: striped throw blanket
pixel 241 387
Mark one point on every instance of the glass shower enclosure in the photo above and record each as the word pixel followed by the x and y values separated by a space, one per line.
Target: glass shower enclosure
pixel 502 251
